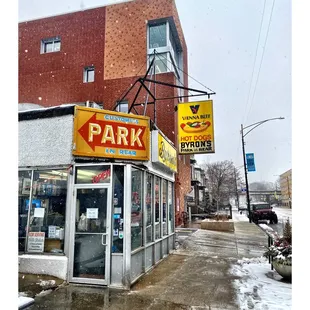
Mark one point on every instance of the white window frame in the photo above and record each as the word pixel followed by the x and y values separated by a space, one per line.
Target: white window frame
pixel 122 103
pixel 169 51
pixel 86 72
pixel 52 41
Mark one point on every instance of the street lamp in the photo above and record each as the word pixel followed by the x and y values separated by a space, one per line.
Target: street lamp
pixel 244 161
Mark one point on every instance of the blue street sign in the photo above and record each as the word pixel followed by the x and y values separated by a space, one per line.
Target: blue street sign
pixel 243 190
pixel 250 162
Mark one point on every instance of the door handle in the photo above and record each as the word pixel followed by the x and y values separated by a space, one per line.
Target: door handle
pixel 102 239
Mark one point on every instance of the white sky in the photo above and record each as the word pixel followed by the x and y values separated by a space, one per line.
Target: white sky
pixel 221 38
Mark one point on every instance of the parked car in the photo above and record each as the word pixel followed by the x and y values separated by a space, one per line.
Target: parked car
pixel 260 211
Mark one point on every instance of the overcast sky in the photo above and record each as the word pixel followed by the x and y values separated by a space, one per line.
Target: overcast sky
pixel 221 38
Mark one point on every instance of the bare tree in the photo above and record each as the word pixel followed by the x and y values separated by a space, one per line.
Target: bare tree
pixel 221 179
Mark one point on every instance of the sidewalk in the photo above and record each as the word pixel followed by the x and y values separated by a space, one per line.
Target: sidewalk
pixel 195 276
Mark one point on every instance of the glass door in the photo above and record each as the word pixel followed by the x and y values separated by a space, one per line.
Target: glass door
pixel 91 243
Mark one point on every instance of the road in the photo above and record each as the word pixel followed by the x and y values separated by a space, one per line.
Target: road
pixel 283 214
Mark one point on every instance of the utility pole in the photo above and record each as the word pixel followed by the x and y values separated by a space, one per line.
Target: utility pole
pixel 243 151
pixel 246 176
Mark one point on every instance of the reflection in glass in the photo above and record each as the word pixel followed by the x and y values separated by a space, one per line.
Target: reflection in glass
pixel 170 208
pixel 158 35
pixel 157 208
pixel 136 209
pixel 90 235
pixel 161 62
pixel 24 183
pixel 118 209
pixel 48 208
pixel 149 213
pixel 93 174
pixel 165 230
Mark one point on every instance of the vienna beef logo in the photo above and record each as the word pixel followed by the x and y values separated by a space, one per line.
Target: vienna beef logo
pixel 194 108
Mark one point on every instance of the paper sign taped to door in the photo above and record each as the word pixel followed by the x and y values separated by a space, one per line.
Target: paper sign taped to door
pixel 39 212
pixel 92 213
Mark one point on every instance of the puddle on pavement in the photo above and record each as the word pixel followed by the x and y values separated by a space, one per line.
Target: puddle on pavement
pixel 82 297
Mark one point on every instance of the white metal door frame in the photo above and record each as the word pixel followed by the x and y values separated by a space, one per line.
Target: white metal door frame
pixel 106 280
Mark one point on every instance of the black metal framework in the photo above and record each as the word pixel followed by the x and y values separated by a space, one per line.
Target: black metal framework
pixel 142 82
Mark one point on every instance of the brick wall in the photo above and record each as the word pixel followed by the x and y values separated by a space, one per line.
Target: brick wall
pixel 58 77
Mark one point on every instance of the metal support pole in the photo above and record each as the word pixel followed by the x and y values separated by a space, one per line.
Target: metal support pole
pixel 246 176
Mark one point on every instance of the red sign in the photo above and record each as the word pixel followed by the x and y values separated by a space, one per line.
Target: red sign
pixel 101 176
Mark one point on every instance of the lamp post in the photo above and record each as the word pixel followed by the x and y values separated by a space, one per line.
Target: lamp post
pixel 243 134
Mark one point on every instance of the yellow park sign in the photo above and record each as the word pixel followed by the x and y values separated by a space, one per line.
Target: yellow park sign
pixel 196 127
pixel 102 133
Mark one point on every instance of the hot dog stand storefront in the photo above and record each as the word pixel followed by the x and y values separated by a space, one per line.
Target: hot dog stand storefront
pixel 96 195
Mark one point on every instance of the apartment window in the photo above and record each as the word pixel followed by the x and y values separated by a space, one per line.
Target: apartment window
pixel 158 35
pixel 89 74
pixel 163 37
pixel 50 45
pixel 161 63
pixel 122 106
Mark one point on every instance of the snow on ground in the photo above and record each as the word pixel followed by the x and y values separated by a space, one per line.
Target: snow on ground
pixel 283 214
pixel 237 217
pixel 259 287
pixel 24 301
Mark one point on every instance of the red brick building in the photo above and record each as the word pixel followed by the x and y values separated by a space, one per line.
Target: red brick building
pixel 97 54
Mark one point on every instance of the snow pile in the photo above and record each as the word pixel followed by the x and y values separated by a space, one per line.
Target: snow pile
pixel 46 283
pixel 259 287
pixel 265 227
pixel 24 301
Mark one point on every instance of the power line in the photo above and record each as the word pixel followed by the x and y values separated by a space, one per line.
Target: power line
pixel 262 57
pixel 260 30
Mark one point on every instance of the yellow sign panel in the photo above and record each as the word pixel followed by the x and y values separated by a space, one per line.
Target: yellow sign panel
pixel 167 154
pixel 102 133
pixel 195 127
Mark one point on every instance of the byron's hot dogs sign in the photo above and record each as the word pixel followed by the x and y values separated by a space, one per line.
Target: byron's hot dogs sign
pixel 195 127
pixel 102 133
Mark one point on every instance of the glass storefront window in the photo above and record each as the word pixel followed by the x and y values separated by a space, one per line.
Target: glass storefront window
pixel 118 209
pixel 47 211
pixel 136 208
pixel 149 213
pixel 164 203
pixel 170 208
pixel 24 184
pixel 157 208
pixel 93 174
